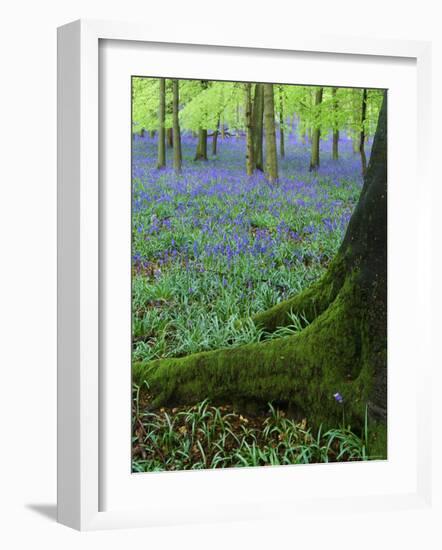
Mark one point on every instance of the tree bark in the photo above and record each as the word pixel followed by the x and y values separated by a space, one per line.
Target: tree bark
pixel 316 132
pixel 342 349
pixel 201 148
pixel 362 133
pixel 250 162
pixel 169 135
pixel 335 152
pixel 258 112
pixel 281 124
pixel 335 147
pixel 176 126
pixel 161 163
pixel 215 139
pixel 270 134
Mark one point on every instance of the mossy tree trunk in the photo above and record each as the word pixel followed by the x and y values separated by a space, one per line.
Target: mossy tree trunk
pixel 270 134
pixel 250 162
pixel 316 132
pixel 161 162
pixel 176 126
pixel 258 112
pixel 343 347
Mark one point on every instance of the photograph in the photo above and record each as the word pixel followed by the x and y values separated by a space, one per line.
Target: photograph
pixel 258 274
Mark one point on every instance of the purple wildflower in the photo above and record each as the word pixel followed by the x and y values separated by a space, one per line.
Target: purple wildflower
pixel 338 397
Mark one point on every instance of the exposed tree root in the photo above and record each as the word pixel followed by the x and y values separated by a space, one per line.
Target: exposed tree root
pixel 303 370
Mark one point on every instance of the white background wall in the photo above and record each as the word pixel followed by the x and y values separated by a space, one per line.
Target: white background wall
pixel 28 269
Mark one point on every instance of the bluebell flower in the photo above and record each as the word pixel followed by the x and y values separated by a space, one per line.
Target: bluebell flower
pixel 338 397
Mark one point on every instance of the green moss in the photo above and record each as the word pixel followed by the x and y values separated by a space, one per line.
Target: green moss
pixel 305 369
pixel 310 303
pixel 378 441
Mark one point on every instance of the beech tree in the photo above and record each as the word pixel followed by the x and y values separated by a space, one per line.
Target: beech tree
pixel 316 130
pixel 281 122
pixel 176 127
pixel 335 146
pixel 270 135
pixel 215 139
pixel 161 124
pixel 201 148
pixel 258 113
pixel 250 163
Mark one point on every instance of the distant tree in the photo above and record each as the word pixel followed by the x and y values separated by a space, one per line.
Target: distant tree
pixel 161 124
pixel 335 147
pixel 250 162
pixel 169 137
pixel 215 139
pixel 176 126
pixel 201 148
pixel 362 132
pixel 258 112
pixel 270 135
pixel 316 131
pixel 281 122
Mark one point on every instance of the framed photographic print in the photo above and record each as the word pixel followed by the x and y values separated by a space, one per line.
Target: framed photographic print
pixel 231 281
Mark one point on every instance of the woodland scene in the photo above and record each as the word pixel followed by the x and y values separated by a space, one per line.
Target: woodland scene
pixel 259 274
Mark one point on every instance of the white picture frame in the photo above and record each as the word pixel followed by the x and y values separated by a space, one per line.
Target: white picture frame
pixel 80 396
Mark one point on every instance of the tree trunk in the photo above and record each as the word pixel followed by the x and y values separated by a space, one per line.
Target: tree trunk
pixel 270 135
pixel 215 139
pixel 201 148
pixel 258 112
pixel 342 349
pixel 316 132
pixel 335 152
pixel 176 126
pixel 169 135
pixel 281 124
pixel 250 162
pixel 161 163
pixel 335 147
pixel 362 134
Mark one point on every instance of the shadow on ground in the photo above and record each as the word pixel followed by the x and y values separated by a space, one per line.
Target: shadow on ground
pixel 48 511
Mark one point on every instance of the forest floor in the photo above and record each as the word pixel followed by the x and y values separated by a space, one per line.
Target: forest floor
pixel 212 246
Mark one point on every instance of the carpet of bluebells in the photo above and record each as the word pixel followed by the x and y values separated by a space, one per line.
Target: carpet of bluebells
pixel 211 246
